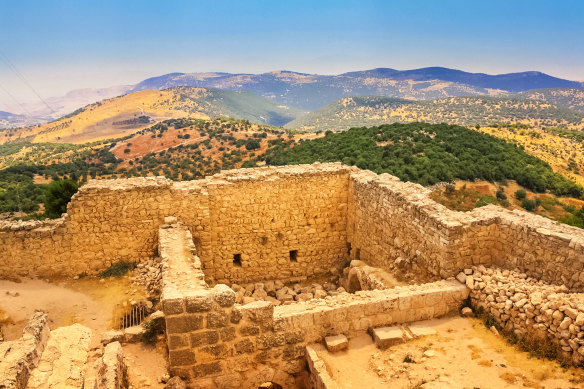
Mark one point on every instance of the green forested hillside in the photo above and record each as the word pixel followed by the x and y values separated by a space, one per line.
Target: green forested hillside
pixel 375 110
pixel 427 154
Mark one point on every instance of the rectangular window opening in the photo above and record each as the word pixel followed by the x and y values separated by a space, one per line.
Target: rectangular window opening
pixel 293 255
pixel 237 260
pixel 358 254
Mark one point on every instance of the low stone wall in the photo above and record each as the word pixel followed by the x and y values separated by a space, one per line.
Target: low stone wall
pixel 531 308
pixel 20 357
pixel 112 370
pixel 319 376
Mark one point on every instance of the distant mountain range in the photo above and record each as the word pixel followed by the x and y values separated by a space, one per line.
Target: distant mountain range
pixel 308 92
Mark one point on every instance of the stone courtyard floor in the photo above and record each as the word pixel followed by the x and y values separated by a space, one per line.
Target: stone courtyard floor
pixel 462 354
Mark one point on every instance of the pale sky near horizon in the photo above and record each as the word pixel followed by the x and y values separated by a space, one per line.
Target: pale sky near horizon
pixel 58 46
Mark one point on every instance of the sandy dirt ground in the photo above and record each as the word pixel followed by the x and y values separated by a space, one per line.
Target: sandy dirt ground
pixel 462 354
pixel 88 301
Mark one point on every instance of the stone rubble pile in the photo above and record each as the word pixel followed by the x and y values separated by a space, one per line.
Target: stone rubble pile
pixel 278 293
pixel 148 274
pixel 525 306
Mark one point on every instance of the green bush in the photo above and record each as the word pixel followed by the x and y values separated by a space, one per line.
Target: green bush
pixel 118 269
pixel 529 205
pixel 57 196
pixel 151 329
pixel 485 200
pixel 520 194
pixel 501 194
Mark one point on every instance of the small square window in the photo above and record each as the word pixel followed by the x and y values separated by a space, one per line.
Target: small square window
pixel 237 260
pixel 293 255
pixel 358 254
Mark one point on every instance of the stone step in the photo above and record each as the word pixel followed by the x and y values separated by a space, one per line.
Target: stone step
pixel 385 337
pixel 62 363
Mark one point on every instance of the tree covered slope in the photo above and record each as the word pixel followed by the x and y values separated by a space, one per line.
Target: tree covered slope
pixel 427 154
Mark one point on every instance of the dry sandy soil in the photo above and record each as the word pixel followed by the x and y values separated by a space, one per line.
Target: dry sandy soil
pixel 90 302
pixel 462 354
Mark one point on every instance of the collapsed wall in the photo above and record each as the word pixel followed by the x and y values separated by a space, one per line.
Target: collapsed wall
pixel 530 308
pixel 279 222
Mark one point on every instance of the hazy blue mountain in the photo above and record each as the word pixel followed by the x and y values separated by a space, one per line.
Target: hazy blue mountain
pixel 511 82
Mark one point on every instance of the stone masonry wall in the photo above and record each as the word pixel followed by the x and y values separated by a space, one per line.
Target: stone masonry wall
pixel 391 223
pixel 215 343
pixel 260 214
pixel 263 214
pixel 530 308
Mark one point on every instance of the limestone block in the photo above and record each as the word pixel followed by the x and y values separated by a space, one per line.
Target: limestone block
pixel 385 337
pixel 133 334
pixel 421 329
pixel 108 337
pixel 336 343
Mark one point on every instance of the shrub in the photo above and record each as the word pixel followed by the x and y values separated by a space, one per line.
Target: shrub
pixel 529 205
pixel 57 196
pixel 449 189
pixel 520 194
pixel 127 151
pixel 118 269
pixel 501 194
pixel 151 329
pixel 485 200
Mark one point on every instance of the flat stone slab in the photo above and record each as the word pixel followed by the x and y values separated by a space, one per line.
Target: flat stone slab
pixel 421 329
pixel 336 343
pixel 385 337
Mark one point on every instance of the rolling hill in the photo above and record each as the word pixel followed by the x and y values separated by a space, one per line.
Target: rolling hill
pixel 124 115
pixel 374 110
pixel 572 98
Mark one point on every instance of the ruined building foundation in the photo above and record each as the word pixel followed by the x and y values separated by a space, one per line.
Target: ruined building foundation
pixel 290 222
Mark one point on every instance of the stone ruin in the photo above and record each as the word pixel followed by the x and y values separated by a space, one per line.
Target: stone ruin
pixel 252 266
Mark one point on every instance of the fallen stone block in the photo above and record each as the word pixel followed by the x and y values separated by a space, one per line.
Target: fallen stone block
pixel 111 336
pixel 336 343
pixel 385 337
pixel 467 312
pixel 421 329
pixel 133 334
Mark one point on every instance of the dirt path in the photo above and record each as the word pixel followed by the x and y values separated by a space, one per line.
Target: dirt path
pixel 89 302
pixel 463 354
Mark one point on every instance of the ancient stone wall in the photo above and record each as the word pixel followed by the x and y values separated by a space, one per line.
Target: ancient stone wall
pixel 529 308
pixel 262 215
pixel 213 341
pixel 392 224
pixel 274 223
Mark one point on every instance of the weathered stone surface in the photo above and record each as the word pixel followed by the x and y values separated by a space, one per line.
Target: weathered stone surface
pixel 336 343
pixel 176 383
pixel 421 329
pixel 20 357
pixel 112 370
pixel 63 361
pixel 108 337
pixel 385 337
pixel 133 334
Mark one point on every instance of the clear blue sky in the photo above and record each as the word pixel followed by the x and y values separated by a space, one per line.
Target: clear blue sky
pixel 63 45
